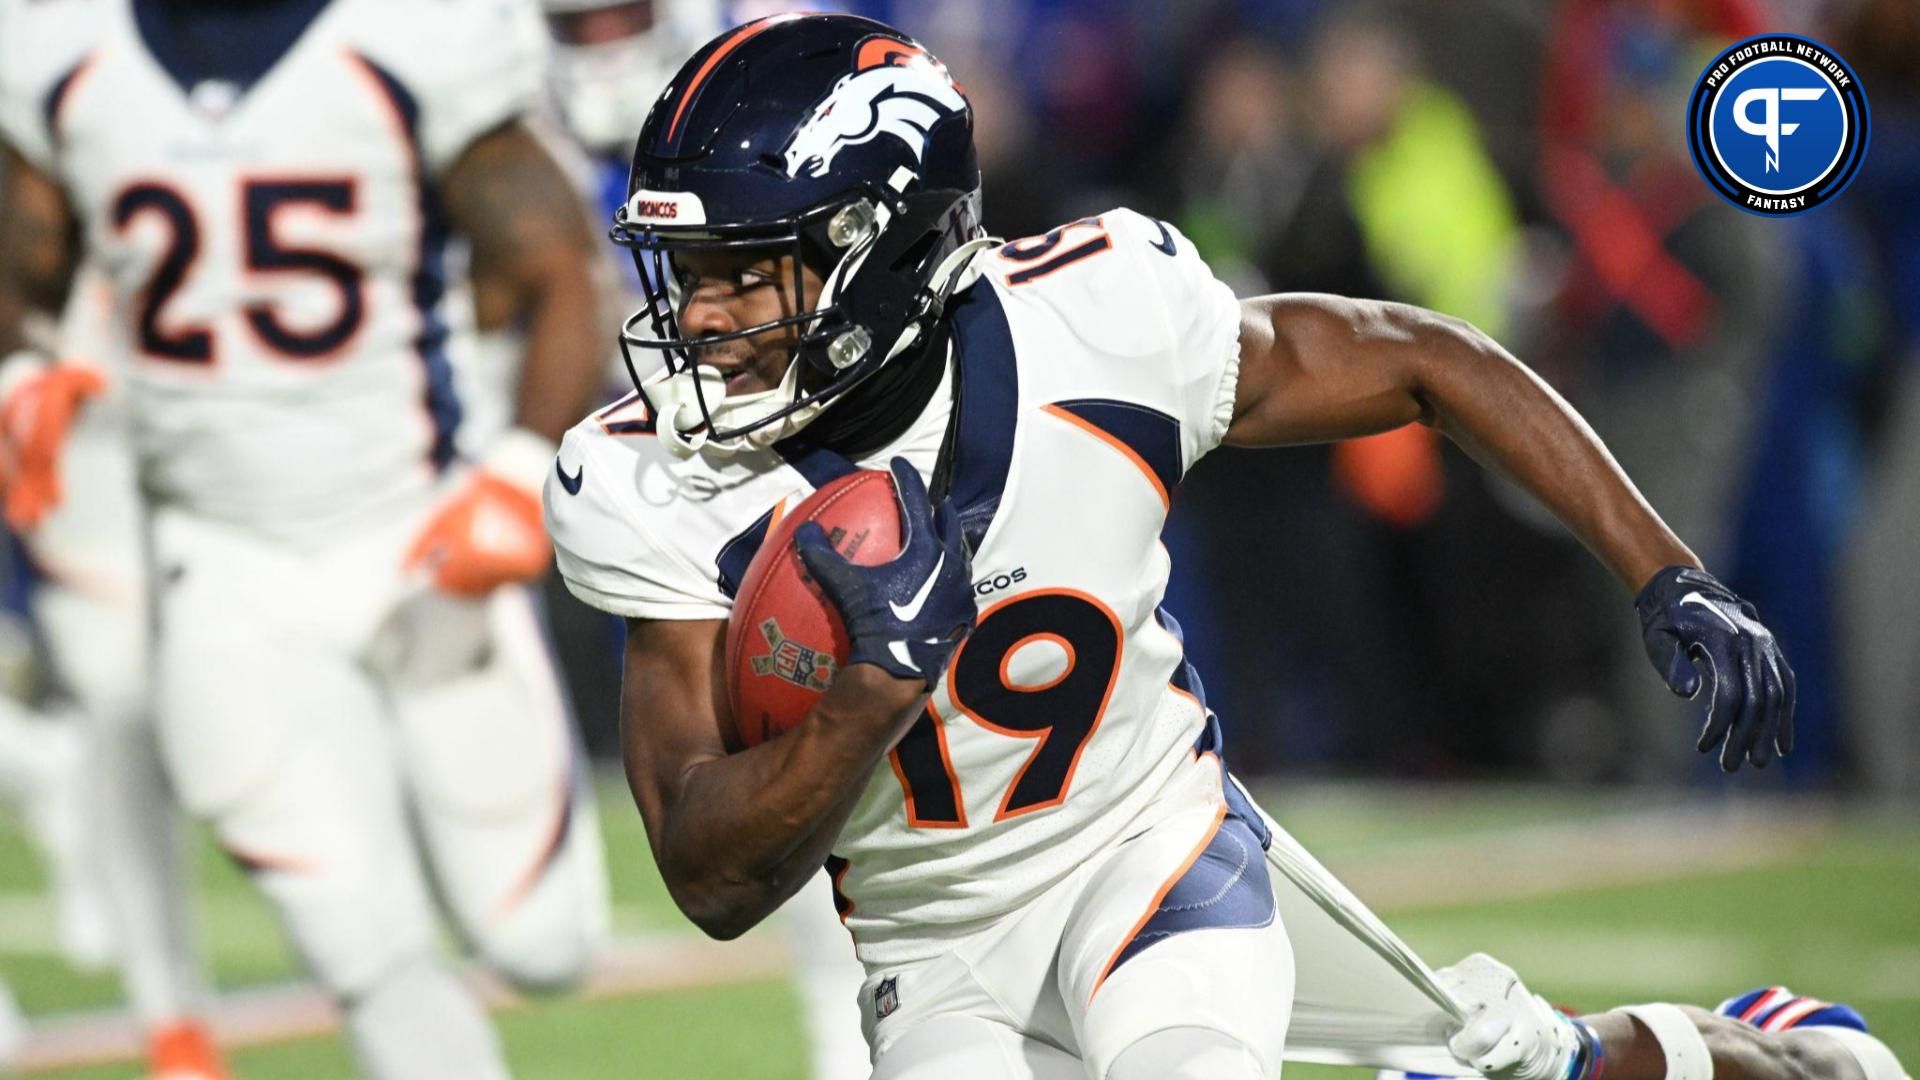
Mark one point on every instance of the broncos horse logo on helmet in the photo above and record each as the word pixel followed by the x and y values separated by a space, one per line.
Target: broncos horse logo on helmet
pixel 896 90
pixel 834 139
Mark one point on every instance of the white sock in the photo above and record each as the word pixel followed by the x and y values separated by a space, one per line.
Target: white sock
pixel 421 1023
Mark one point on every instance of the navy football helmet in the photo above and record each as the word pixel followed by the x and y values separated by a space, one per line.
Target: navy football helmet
pixel 832 138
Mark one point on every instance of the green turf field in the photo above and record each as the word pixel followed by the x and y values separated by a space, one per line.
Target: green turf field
pixel 1598 899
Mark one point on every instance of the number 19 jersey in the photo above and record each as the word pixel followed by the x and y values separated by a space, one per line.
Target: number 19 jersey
pixel 270 229
pixel 1090 368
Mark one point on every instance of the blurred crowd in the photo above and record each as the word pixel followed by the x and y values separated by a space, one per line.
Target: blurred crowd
pixel 1386 606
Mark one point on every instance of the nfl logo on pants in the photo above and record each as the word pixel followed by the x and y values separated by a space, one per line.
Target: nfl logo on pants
pixel 886 998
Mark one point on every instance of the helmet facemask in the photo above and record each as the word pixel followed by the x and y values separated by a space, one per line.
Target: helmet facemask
pixel 869 248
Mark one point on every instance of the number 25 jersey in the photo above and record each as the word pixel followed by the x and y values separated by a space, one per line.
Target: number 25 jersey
pixel 271 232
pixel 1091 367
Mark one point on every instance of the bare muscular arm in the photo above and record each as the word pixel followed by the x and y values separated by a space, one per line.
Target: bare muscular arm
pixel 1316 368
pixel 1739 1051
pixel 39 247
pixel 532 266
pixel 735 834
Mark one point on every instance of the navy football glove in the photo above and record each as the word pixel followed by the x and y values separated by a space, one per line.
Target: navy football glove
pixel 908 615
pixel 1687 616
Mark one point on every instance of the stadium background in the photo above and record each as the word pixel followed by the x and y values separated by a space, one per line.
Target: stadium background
pixel 1431 684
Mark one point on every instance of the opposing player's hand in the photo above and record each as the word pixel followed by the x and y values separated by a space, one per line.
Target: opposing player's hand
pixel 489 532
pixel 1509 1032
pixel 908 615
pixel 36 411
pixel 1695 629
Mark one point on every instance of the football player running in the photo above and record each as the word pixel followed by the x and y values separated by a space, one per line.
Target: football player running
pixel 1016 781
pixel 1769 1033
pixel 353 689
pixel 611 58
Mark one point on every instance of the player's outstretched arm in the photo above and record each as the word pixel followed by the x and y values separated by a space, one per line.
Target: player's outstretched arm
pixel 1510 1033
pixel 736 834
pixel 1738 1051
pixel 1315 368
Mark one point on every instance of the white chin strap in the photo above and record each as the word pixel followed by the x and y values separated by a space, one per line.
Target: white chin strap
pixel 682 427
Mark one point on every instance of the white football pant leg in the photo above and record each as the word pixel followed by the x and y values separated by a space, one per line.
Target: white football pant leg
pixel 961 1047
pixel 98 648
pixel 499 784
pixel 828 977
pixel 1178 931
pixel 282 742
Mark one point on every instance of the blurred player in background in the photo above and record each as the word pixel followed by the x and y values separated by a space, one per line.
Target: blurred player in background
pixel 89 603
pixel 1015 777
pixel 1769 1033
pixel 611 59
pixel 353 688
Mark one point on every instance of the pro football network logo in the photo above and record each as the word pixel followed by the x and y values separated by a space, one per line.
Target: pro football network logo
pixel 1778 124
pixel 787 659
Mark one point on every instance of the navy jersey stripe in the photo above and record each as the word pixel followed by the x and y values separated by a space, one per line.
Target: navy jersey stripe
pixel 989 405
pixel 1149 433
pixel 430 274
pixel 737 554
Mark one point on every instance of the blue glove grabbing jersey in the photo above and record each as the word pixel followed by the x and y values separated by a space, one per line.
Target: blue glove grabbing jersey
pixel 1687 616
pixel 906 616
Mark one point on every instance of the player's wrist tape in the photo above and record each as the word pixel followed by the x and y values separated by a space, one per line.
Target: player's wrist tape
pixel 1589 1057
pixel 1680 1041
pixel 520 457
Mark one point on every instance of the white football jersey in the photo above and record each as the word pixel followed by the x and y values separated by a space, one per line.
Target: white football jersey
pixel 1093 366
pixel 275 246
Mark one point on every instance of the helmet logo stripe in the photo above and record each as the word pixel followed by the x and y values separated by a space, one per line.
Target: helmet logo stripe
pixel 732 42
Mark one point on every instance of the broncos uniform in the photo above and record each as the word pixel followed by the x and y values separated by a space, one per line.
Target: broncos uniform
pixel 1090 368
pixel 278 262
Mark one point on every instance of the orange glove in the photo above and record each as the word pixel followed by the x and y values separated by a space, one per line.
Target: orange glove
pixel 37 403
pixel 489 532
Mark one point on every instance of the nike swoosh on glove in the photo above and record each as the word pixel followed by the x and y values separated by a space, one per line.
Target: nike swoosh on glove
pixel 1692 626
pixel 1510 1033
pixel 906 616
pixel 35 412
pixel 489 533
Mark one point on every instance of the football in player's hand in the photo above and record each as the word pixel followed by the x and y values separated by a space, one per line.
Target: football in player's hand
pixel 785 641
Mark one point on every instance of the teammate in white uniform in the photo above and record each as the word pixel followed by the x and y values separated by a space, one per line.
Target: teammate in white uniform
pixel 275 192
pixel 1039 854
